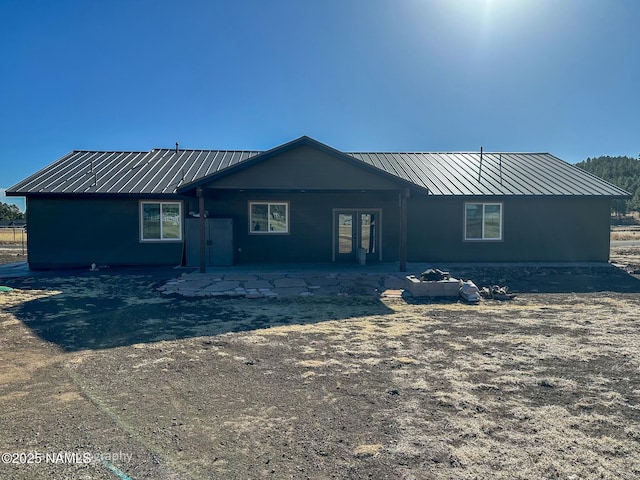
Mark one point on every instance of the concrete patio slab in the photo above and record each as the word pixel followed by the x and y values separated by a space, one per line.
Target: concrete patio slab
pixel 290 291
pixel 258 284
pixel 322 281
pixel 272 275
pixel 328 290
pixel 223 285
pixel 240 276
pixel 196 283
pixel 289 282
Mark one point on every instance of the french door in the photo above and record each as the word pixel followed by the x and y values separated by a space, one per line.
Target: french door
pixel 354 230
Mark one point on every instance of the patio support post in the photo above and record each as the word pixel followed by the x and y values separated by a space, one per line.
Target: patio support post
pixel 200 194
pixel 404 197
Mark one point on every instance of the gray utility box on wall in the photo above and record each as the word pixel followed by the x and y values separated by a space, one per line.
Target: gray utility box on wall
pixel 218 234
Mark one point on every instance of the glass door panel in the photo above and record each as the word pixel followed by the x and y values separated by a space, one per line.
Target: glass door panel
pixel 355 230
pixel 345 233
pixel 368 232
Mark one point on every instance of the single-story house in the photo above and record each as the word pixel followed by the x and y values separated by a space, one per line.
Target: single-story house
pixel 13 223
pixel 305 201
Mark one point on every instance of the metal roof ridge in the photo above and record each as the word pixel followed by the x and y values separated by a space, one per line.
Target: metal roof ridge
pixel 84 150
pixel 235 150
pixel 460 152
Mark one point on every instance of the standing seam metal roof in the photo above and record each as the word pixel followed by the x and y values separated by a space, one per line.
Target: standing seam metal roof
pixel 163 171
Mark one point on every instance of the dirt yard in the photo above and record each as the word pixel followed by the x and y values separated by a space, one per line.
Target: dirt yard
pixel 625 246
pixel 104 377
pixel 13 245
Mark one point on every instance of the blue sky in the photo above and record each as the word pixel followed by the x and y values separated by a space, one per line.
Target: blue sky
pixel 559 76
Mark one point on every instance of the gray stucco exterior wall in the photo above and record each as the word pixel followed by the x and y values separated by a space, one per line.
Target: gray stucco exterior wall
pixel 311 223
pixel 306 168
pixel 535 229
pixel 72 233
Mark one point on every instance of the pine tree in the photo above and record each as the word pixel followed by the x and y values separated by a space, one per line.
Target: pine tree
pixel 623 172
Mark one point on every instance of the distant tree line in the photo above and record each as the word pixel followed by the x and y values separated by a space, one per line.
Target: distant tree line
pixel 623 172
pixel 10 212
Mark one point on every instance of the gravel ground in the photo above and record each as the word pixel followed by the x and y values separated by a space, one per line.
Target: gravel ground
pixel 10 254
pixel 105 377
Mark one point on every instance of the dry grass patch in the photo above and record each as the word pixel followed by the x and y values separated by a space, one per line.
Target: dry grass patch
pixel 12 236
pixel 367 450
pixel 545 386
pixel 626 233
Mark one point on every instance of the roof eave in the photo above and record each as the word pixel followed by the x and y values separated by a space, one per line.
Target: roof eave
pixel 97 195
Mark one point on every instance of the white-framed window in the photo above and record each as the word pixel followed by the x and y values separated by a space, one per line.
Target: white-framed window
pixel 160 221
pixel 482 221
pixel 268 217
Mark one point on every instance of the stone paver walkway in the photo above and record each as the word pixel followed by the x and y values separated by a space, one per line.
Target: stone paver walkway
pixel 387 281
pixel 270 284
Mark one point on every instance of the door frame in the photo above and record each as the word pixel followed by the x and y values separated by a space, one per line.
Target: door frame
pixel 356 211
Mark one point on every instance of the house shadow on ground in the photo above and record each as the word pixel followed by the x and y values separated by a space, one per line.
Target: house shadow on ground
pixel 532 278
pixel 83 311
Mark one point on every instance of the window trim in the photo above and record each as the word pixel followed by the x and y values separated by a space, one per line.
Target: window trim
pixel 268 203
pixel 142 203
pixel 483 238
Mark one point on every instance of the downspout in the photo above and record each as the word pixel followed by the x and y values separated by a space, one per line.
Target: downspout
pixel 200 194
